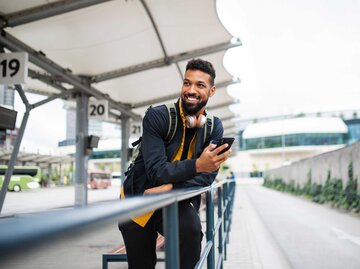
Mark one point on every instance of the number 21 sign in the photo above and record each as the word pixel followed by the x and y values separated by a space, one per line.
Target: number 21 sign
pixel 13 68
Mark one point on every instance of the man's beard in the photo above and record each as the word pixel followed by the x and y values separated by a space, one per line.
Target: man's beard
pixel 193 110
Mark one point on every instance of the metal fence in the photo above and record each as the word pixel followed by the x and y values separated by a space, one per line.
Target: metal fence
pixel 46 227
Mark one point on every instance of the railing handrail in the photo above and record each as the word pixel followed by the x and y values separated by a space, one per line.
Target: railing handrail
pixel 42 227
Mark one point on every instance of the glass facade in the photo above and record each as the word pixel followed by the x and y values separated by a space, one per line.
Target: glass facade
pixel 354 130
pixel 293 140
pixel 7 96
pixel 105 154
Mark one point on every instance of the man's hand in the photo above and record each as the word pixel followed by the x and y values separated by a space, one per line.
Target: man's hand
pixel 209 160
pixel 161 188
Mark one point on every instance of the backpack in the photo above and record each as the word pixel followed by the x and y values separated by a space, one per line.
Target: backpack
pixel 136 180
pixel 173 122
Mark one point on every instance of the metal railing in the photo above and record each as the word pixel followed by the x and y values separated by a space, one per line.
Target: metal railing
pixel 46 227
pixel 225 201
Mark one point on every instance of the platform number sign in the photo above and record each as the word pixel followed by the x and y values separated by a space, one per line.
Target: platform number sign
pixel 13 68
pixel 136 129
pixel 98 109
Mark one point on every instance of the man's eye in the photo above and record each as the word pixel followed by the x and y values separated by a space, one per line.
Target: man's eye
pixel 186 83
pixel 201 86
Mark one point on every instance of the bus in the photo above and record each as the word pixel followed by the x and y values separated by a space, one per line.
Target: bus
pixel 99 180
pixel 23 177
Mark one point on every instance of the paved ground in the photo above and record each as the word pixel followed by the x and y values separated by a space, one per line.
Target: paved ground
pixel 310 235
pixel 48 198
pixel 82 251
pixel 269 230
pixel 251 244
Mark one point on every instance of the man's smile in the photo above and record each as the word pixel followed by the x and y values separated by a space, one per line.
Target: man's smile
pixel 192 98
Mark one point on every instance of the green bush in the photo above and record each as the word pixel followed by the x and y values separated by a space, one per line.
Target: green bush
pixel 276 184
pixel 290 187
pixel 350 198
pixel 298 190
pixel 357 209
pixel 267 182
pixel 307 188
pixel 331 192
pixel 316 193
pixel 279 184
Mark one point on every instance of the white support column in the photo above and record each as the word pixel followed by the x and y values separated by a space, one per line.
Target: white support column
pixel 49 175
pixel 125 135
pixel 81 159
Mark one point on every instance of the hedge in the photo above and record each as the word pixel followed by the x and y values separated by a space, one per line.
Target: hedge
pixel 332 192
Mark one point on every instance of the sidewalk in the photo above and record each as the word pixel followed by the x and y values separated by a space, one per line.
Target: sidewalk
pixel 251 246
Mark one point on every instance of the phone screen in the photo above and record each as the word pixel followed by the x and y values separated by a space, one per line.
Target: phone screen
pixel 225 140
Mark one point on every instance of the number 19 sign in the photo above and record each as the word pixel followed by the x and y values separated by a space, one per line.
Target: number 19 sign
pixel 13 68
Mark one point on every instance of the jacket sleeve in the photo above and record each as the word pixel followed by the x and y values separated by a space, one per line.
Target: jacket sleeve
pixel 157 167
pixel 205 179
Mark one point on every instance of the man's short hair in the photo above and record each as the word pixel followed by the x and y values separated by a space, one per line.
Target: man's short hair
pixel 204 66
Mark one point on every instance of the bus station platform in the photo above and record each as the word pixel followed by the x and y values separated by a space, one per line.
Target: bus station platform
pixel 269 229
pixel 251 245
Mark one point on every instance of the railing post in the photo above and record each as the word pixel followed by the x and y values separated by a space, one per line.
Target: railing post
pixel 220 217
pixel 226 203
pixel 210 227
pixel 231 201
pixel 230 186
pixel 171 233
pixel 104 263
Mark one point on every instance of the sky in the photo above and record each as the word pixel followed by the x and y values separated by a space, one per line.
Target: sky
pixel 298 56
pixel 41 134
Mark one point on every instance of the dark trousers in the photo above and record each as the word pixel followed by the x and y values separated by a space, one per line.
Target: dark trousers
pixel 140 242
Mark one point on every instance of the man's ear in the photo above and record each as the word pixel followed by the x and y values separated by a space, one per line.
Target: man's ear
pixel 212 90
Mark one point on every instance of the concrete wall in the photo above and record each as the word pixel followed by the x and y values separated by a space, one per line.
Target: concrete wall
pixel 248 161
pixel 335 161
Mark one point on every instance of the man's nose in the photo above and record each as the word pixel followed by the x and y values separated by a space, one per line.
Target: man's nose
pixel 192 88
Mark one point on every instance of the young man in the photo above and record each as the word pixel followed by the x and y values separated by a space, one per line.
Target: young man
pixel 185 161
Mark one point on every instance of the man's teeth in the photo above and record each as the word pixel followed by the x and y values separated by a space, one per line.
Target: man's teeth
pixel 192 98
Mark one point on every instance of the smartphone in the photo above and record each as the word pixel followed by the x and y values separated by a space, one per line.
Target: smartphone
pixel 222 141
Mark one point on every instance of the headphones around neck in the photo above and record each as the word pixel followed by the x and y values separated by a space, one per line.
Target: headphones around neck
pixel 195 122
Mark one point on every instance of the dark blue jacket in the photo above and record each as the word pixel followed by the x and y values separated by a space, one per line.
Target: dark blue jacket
pixel 153 166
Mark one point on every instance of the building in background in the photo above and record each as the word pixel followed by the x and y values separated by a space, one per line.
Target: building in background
pixel 7 99
pixel 106 157
pixel 95 126
pixel 8 140
pixel 354 130
pixel 272 144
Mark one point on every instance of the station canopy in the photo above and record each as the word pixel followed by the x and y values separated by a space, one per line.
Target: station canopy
pixel 25 157
pixel 131 52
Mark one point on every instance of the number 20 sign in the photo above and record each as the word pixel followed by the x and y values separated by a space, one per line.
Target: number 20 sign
pixel 98 109
pixel 13 68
